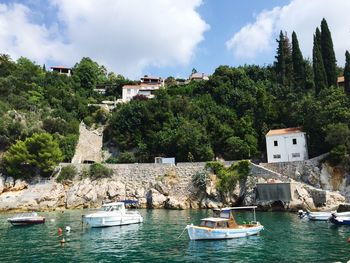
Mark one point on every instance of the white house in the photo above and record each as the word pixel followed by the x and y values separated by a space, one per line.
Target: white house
pixel 146 88
pixel 286 145
pixel 62 70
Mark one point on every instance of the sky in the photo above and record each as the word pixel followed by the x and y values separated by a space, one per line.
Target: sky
pixel 165 37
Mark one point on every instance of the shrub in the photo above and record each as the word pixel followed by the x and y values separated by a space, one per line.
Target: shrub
pixel 99 171
pixel 228 177
pixel 200 179
pixel 126 157
pixel 67 173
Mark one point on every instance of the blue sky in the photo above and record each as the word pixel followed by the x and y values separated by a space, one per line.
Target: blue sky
pixel 164 37
pixel 225 18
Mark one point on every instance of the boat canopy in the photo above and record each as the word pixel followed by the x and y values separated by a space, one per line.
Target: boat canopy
pixel 235 208
pixel 215 219
pixel 128 201
pixel 113 204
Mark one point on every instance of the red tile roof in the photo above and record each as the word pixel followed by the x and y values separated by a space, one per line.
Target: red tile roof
pixel 284 131
pixel 340 79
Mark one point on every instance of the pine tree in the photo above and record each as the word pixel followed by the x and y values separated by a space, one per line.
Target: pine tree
pixel 347 73
pixel 328 56
pixel 299 75
pixel 320 76
pixel 284 65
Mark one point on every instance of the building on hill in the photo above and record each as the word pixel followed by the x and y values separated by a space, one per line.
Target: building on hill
pixel 340 82
pixel 286 145
pixel 146 87
pixel 62 70
pixel 152 80
pixel 198 76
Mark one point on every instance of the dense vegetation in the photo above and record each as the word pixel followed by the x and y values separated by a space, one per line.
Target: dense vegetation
pixel 226 117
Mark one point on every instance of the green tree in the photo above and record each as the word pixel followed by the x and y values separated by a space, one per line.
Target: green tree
pixel 328 54
pixel 87 72
pixel 37 155
pixel 347 73
pixel 320 76
pixel 284 65
pixel 299 74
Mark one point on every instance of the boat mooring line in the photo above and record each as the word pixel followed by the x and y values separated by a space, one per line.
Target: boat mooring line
pixel 182 232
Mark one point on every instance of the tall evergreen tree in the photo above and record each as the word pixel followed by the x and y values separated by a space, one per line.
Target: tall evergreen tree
pixel 320 76
pixel 284 65
pixel 347 73
pixel 328 56
pixel 299 75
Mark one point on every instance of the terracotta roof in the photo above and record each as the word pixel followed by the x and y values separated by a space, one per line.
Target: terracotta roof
pixel 340 79
pixel 285 131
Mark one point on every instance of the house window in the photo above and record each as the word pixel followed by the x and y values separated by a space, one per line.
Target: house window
pixel 276 156
pixel 294 155
pixel 294 141
pixel 275 143
pixel 129 91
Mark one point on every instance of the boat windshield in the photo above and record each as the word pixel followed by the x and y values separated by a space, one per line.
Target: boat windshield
pixel 112 208
pixel 208 224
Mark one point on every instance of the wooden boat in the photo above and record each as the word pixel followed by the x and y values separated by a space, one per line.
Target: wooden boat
pixel 112 214
pixel 224 226
pixel 26 219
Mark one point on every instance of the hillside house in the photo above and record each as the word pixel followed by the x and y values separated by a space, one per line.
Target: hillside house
pixel 198 76
pixel 340 82
pixel 62 70
pixel 286 145
pixel 146 87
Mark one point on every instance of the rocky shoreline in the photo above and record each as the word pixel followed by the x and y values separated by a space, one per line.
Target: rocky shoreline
pixel 168 187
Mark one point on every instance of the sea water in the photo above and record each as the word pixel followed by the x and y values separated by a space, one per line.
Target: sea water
pixel 286 238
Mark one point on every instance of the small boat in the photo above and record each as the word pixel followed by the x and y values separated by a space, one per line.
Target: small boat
pixel 26 219
pixel 112 214
pixel 320 216
pixel 340 219
pixel 224 226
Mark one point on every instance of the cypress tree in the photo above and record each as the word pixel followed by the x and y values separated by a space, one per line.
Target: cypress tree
pixel 347 73
pixel 320 77
pixel 299 75
pixel 283 65
pixel 328 56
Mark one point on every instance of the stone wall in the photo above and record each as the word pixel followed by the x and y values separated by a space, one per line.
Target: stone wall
pixel 89 147
pixel 154 186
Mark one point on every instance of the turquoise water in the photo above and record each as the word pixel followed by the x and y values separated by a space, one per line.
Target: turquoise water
pixel 285 239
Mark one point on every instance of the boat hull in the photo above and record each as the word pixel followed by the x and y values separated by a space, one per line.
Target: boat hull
pixel 204 233
pixel 24 222
pixel 340 220
pixel 107 221
pixel 319 216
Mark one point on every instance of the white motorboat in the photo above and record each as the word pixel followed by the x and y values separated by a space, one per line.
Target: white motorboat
pixel 26 219
pixel 321 216
pixel 112 214
pixel 224 226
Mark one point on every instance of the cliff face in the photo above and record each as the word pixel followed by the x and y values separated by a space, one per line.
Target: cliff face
pixel 156 186
pixel 316 173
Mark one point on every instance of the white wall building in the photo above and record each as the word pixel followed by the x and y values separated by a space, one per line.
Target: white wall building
pixel 286 145
pixel 62 70
pixel 130 91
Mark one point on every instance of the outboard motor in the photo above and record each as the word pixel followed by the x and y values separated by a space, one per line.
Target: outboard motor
pixel 301 214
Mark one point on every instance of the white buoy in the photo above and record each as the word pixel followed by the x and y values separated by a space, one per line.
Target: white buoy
pixel 68 228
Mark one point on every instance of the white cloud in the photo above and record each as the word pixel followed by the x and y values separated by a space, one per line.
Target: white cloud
pixel 20 37
pixel 126 36
pixel 300 16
